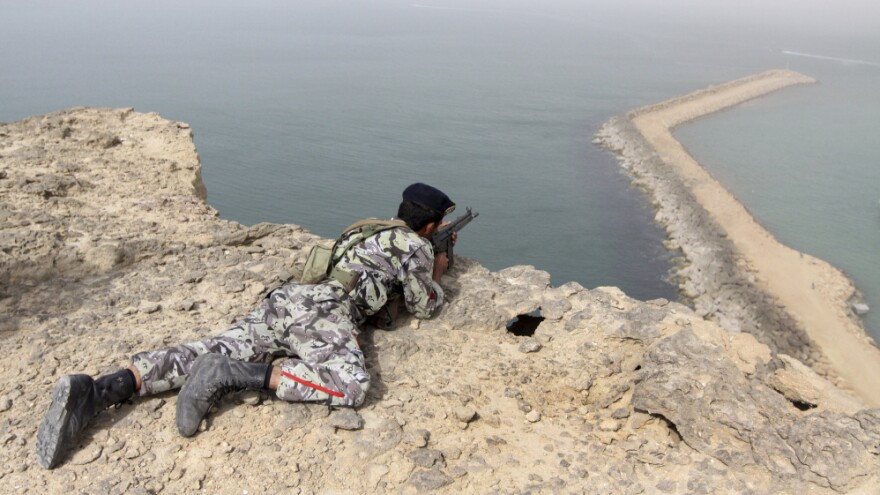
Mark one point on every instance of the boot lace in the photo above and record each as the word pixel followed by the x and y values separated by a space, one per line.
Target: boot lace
pixel 224 387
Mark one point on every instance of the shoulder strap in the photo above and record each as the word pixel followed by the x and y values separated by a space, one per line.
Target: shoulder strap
pixel 383 224
pixel 366 228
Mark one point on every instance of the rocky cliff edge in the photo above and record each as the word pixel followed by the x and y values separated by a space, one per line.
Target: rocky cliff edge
pixel 107 248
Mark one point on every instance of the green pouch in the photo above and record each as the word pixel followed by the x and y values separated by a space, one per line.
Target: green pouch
pixel 317 264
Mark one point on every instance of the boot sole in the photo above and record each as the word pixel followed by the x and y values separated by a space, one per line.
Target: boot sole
pixel 186 410
pixel 50 435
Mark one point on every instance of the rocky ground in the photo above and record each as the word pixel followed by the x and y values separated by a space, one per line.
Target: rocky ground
pixel 107 248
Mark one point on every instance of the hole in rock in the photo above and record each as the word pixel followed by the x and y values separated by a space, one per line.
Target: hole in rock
pixel 803 406
pixel 669 424
pixel 525 325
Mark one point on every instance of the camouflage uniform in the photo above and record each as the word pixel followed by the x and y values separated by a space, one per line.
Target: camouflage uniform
pixel 318 324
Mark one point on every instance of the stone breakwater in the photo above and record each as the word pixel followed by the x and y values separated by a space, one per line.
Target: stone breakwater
pixel 736 273
pixel 107 248
pixel 714 279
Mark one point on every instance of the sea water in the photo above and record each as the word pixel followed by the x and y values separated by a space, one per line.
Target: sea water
pixel 319 113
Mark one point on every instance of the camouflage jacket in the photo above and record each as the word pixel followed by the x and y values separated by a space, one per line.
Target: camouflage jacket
pixel 393 260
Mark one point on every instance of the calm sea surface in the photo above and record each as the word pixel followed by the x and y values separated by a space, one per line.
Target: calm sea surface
pixel 319 113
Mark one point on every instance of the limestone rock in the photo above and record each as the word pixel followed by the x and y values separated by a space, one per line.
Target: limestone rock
pixel 861 309
pixel 465 414
pixel 530 345
pixel 744 424
pixel 807 390
pixel 426 458
pixel 417 438
pixel 110 249
pixel 429 479
pixel 346 419
pixel 87 455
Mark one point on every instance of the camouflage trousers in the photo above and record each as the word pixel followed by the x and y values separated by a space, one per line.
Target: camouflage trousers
pixel 314 325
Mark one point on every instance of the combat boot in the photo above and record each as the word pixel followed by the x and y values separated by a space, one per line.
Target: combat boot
pixel 213 376
pixel 75 401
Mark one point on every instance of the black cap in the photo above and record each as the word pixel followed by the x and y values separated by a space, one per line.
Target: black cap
pixel 429 197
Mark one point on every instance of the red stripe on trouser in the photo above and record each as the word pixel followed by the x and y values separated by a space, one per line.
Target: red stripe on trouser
pixel 313 385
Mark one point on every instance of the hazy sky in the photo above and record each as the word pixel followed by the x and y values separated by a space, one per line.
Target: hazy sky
pixel 820 16
pixel 835 17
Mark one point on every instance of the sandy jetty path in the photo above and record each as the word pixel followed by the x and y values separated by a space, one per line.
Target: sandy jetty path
pixel 812 291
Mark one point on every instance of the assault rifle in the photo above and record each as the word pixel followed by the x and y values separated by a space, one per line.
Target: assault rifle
pixel 442 239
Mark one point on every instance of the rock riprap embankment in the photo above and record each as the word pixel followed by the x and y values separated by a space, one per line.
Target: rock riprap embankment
pixel 720 285
pixel 737 272
pixel 107 248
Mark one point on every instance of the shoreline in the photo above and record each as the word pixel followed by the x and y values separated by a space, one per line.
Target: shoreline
pixel 737 273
